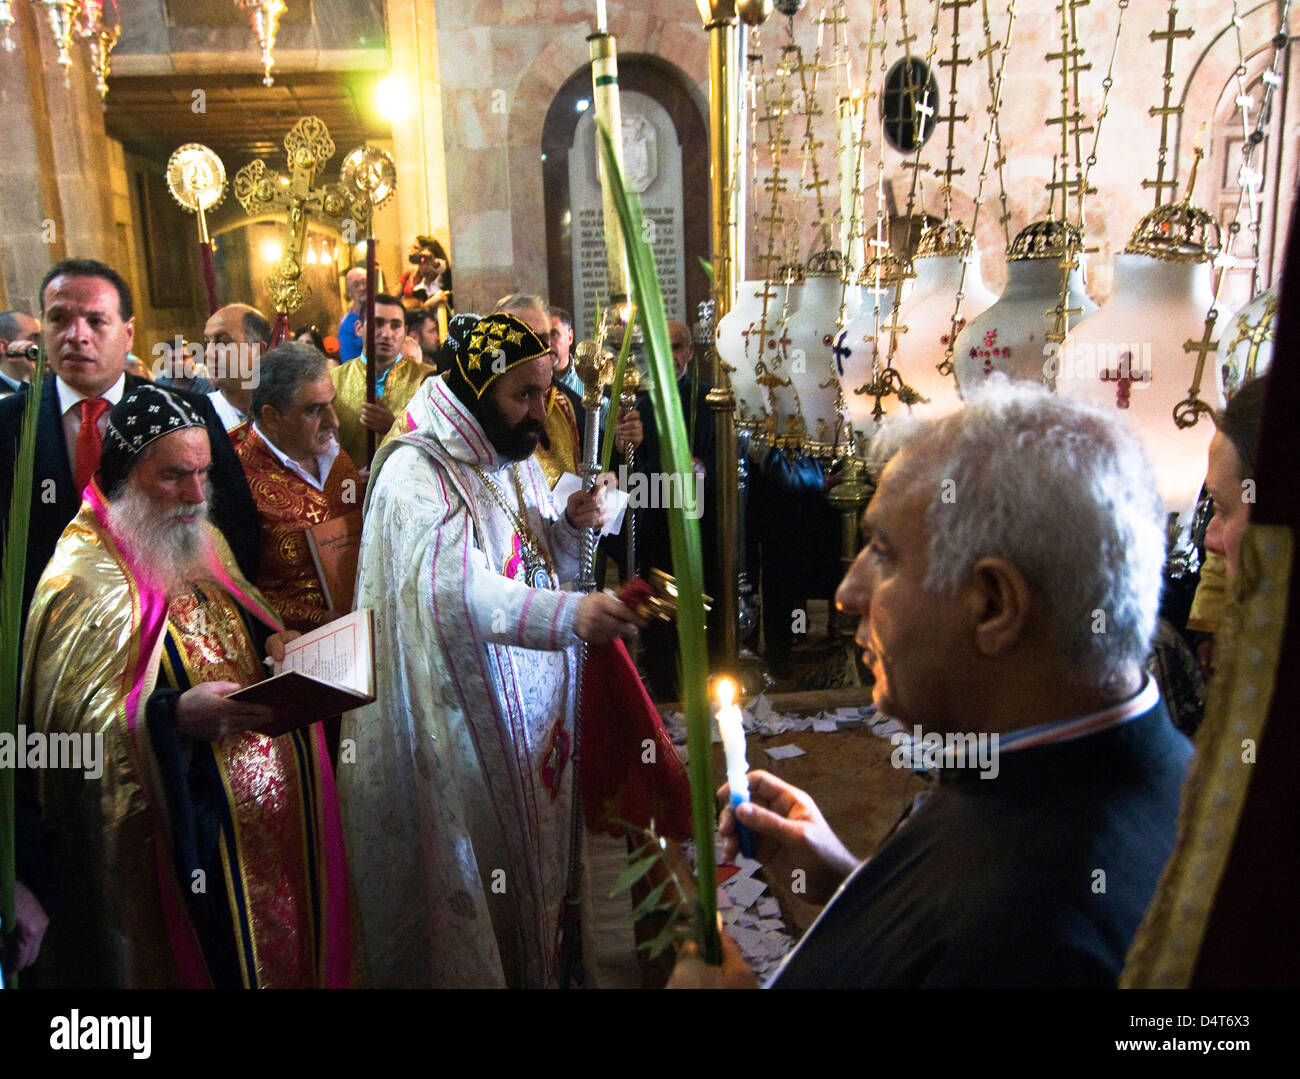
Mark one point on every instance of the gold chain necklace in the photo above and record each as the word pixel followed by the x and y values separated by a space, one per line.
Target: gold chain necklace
pixel 539 572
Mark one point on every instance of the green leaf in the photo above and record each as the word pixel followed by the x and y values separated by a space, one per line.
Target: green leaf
pixel 708 269
pixel 654 948
pixel 633 873
pixel 633 855
pixel 12 574
pixel 684 539
pixel 650 903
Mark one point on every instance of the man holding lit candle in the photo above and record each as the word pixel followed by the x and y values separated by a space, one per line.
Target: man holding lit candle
pixel 1008 586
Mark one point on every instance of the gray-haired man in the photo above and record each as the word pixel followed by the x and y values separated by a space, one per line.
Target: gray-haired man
pixel 1007 592
pixel 300 477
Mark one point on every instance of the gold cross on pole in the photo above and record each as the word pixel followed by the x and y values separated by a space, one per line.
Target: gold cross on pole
pixel 307 147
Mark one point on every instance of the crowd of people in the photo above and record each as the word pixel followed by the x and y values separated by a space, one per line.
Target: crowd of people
pixel 435 837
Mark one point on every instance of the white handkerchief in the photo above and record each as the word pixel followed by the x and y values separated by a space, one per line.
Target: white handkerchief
pixel 616 501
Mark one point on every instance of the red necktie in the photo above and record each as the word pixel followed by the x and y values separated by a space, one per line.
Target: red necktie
pixel 89 441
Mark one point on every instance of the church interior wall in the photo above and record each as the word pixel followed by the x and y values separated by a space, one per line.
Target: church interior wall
pixel 502 65
pixel 1129 136
pixel 55 186
pixel 484 73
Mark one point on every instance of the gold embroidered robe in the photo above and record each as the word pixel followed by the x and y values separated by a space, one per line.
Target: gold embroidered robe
pixel 100 640
pixel 287 505
pixel 404 378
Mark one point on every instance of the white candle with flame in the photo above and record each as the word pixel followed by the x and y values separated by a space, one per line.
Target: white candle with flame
pixel 733 740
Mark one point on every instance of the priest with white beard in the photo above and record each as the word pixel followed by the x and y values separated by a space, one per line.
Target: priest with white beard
pixel 206 853
pixel 457 783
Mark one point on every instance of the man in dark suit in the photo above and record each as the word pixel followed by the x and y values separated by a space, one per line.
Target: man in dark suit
pixel 18 332
pixel 89 326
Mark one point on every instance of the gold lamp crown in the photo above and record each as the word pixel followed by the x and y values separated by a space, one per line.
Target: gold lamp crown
pixel 1045 239
pixel 790 273
pixel 828 263
pixel 1177 232
pixel 893 270
pixel 946 238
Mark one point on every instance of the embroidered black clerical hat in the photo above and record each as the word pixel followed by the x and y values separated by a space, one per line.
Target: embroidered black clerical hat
pixel 144 415
pixel 490 348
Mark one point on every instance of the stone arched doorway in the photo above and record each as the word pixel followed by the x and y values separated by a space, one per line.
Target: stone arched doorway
pixel 661 94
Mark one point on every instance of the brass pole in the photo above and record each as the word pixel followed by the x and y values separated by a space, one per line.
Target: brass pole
pixel 724 55
pixel 608 109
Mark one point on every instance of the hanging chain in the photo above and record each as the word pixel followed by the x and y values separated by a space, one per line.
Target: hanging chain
pixel 776 185
pixel 946 366
pixel 995 98
pixel 1169 35
pixel 811 144
pixel 954 62
pixel 1188 411
pixel 1248 178
pixel 925 108
pixel 1075 243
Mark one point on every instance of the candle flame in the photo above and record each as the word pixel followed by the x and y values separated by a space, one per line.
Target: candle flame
pixel 726 691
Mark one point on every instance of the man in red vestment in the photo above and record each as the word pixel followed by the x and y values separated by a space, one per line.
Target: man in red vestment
pixel 300 477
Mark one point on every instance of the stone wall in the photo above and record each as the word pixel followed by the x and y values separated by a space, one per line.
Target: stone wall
pixel 56 194
pixel 502 62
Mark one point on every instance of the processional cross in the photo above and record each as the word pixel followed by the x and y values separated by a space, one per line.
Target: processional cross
pixel 307 147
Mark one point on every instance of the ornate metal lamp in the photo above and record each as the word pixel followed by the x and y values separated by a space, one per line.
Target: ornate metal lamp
pixel 99 27
pixel 265 18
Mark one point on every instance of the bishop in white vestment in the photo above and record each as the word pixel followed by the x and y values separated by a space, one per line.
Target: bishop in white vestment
pixel 457 801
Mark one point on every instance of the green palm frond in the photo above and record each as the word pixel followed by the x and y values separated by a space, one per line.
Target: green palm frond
pixel 12 574
pixel 684 537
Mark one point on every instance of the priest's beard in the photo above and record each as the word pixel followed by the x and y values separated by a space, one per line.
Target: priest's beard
pixel 516 443
pixel 172 552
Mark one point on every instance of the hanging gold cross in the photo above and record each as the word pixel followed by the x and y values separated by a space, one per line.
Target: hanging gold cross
pixel 307 147
pixel 1165 110
pixel 1188 411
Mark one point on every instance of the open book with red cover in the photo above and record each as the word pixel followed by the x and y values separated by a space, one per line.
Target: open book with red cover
pixel 325 672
